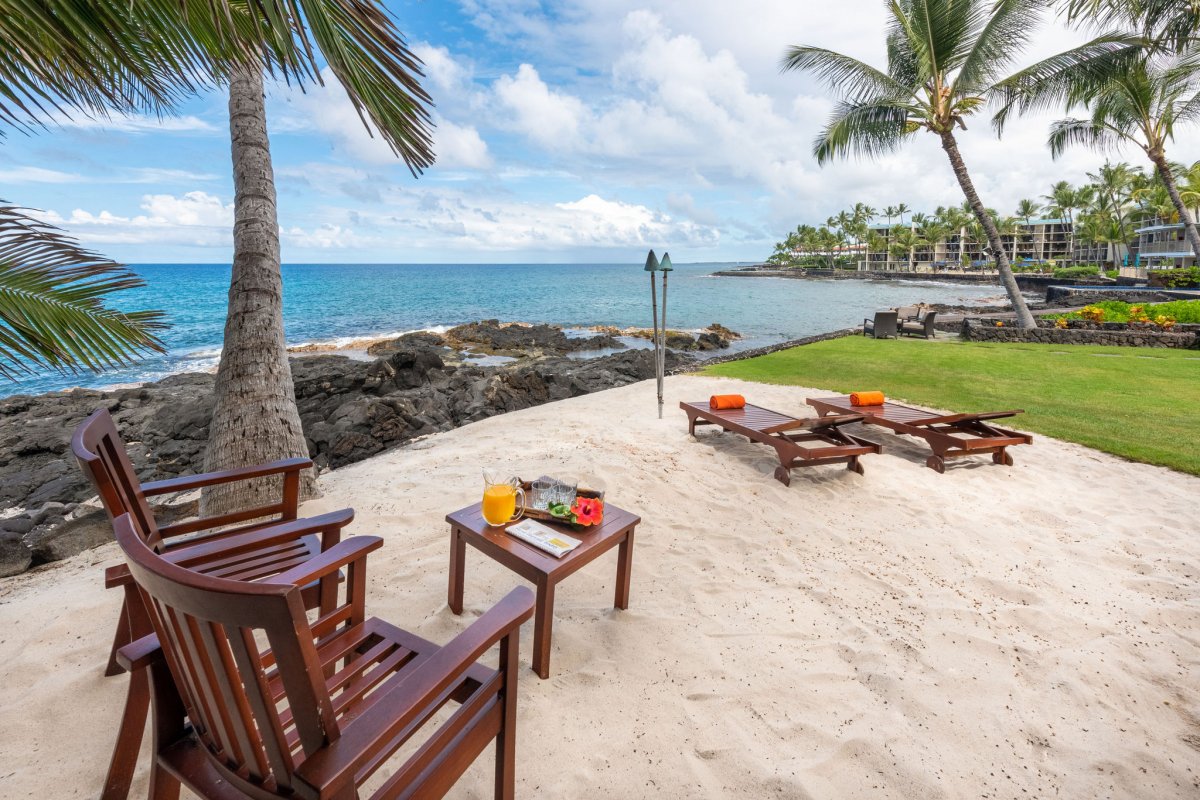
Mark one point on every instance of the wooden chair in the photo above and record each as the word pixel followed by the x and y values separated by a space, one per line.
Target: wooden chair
pixel 249 552
pixel 924 327
pixel 883 326
pixel 251 700
pixel 798 442
pixel 950 436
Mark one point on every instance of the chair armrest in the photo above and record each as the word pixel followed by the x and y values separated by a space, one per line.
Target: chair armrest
pixel 335 765
pixel 140 653
pixel 117 576
pixel 186 482
pixel 188 555
pixel 340 555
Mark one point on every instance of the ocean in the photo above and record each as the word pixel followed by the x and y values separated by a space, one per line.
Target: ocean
pixel 337 303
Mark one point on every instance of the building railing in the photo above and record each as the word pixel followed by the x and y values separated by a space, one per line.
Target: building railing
pixel 1174 246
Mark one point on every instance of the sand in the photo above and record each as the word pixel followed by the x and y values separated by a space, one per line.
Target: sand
pixel 992 632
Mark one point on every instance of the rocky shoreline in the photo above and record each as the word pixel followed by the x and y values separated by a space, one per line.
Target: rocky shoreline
pixel 416 385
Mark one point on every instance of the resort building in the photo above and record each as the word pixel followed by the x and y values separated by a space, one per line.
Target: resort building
pixel 1038 240
pixel 1162 245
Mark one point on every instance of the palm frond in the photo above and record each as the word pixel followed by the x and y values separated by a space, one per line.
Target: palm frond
pixel 1067 132
pixel 97 56
pixel 850 78
pixel 863 130
pixel 52 311
pixel 1074 75
pixel 1001 37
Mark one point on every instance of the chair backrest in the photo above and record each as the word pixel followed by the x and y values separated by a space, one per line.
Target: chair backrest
pixel 885 323
pixel 257 712
pixel 101 454
pixel 929 319
pixel 908 312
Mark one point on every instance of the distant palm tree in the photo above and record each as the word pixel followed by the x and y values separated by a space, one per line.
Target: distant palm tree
pixel 890 213
pixel 1138 100
pixel 945 60
pixel 905 244
pixel 51 303
pixel 901 210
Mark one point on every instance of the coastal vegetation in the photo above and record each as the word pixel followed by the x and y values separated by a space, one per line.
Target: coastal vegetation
pixel 1123 401
pixel 1102 216
pixel 1182 311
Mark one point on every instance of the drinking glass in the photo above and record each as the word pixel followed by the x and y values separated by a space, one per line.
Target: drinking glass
pixel 540 493
pixel 503 499
pixel 562 493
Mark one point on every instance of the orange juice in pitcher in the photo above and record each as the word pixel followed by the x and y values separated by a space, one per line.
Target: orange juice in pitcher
pixel 503 500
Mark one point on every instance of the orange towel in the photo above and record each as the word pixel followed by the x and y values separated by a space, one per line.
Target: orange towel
pixel 867 398
pixel 725 402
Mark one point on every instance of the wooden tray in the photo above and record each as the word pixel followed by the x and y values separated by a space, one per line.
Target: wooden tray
pixel 546 516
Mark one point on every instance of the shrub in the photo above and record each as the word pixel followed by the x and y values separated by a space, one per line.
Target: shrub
pixel 1066 273
pixel 1188 278
pixel 1165 315
pixel 1112 273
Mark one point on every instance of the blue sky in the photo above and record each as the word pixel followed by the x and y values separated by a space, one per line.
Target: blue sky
pixel 586 130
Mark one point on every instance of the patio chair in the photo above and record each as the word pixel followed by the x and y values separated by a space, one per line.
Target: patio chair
pixel 948 436
pixel 247 552
pixel 252 700
pixel 924 327
pixel 908 313
pixel 883 326
pixel 798 442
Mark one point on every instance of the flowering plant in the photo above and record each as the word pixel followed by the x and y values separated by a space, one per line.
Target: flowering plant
pixel 1165 321
pixel 1061 322
pixel 1092 313
pixel 584 511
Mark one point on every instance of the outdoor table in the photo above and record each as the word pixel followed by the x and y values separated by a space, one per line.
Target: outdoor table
pixel 467 526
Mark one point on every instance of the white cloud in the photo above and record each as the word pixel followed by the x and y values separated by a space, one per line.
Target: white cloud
pixel 137 124
pixel 460 146
pixel 552 119
pixel 32 174
pixel 193 219
pixel 443 72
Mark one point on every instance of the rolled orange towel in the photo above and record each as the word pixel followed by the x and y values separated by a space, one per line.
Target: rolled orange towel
pixel 867 398
pixel 725 402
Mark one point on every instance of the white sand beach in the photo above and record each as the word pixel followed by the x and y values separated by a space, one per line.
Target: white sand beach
pixel 993 632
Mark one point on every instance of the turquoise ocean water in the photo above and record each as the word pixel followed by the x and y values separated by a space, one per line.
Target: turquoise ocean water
pixel 339 302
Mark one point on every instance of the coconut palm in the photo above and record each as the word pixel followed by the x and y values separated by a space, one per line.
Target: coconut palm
pixel 255 418
pixel 945 61
pixel 1139 101
pixel 65 57
pixel 1170 25
pixel 52 313
pixel 904 245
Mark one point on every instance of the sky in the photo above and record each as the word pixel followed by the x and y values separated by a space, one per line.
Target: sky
pixel 572 131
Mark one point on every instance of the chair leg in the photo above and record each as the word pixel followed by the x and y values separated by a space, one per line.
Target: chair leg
pixel 163 785
pixel 129 739
pixel 506 740
pixel 120 639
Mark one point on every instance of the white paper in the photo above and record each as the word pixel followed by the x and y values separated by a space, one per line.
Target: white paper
pixel 543 537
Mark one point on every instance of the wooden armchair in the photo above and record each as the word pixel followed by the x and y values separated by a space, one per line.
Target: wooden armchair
pixel 329 703
pixel 248 552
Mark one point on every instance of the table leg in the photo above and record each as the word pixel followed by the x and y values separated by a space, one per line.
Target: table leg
pixel 543 621
pixel 458 558
pixel 624 568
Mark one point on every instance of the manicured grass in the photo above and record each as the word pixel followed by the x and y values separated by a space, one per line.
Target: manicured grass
pixel 1139 403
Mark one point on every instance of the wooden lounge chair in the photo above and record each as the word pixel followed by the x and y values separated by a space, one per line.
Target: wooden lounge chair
pixel 883 326
pixel 249 552
pixel 949 436
pixel 923 327
pixel 330 702
pixel 798 442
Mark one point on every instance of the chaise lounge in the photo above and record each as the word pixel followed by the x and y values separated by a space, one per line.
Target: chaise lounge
pixel 798 442
pixel 949 436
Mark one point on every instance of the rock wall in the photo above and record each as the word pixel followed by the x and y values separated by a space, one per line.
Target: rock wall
pixel 1116 336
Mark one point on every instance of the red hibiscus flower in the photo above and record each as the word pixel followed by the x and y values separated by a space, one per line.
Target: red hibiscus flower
pixel 587 510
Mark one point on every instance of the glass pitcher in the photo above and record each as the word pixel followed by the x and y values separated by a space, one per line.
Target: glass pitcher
pixel 503 499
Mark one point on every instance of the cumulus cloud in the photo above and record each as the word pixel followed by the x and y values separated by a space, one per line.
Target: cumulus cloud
pixel 552 119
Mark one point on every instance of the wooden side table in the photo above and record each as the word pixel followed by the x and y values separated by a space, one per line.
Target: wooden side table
pixel 467 526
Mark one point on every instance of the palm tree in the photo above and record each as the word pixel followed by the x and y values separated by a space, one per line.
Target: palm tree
pixel 945 61
pixel 1027 209
pixel 146 57
pixel 255 418
pixel 1113 183
pixel 52 313
pixel 905 243
pixel 890 213
pixel 1010 226
pixel 901 210
pixel 1139 101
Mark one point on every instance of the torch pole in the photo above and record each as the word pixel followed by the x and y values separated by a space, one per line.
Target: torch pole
pixel 662 355
pixel 654 311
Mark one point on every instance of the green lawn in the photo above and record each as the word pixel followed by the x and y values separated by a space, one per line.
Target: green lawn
pixel 1139 403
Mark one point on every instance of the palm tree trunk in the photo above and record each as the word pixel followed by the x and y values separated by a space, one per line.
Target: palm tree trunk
pixel 255 417
pixel 1189 228
pixel 1024 317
